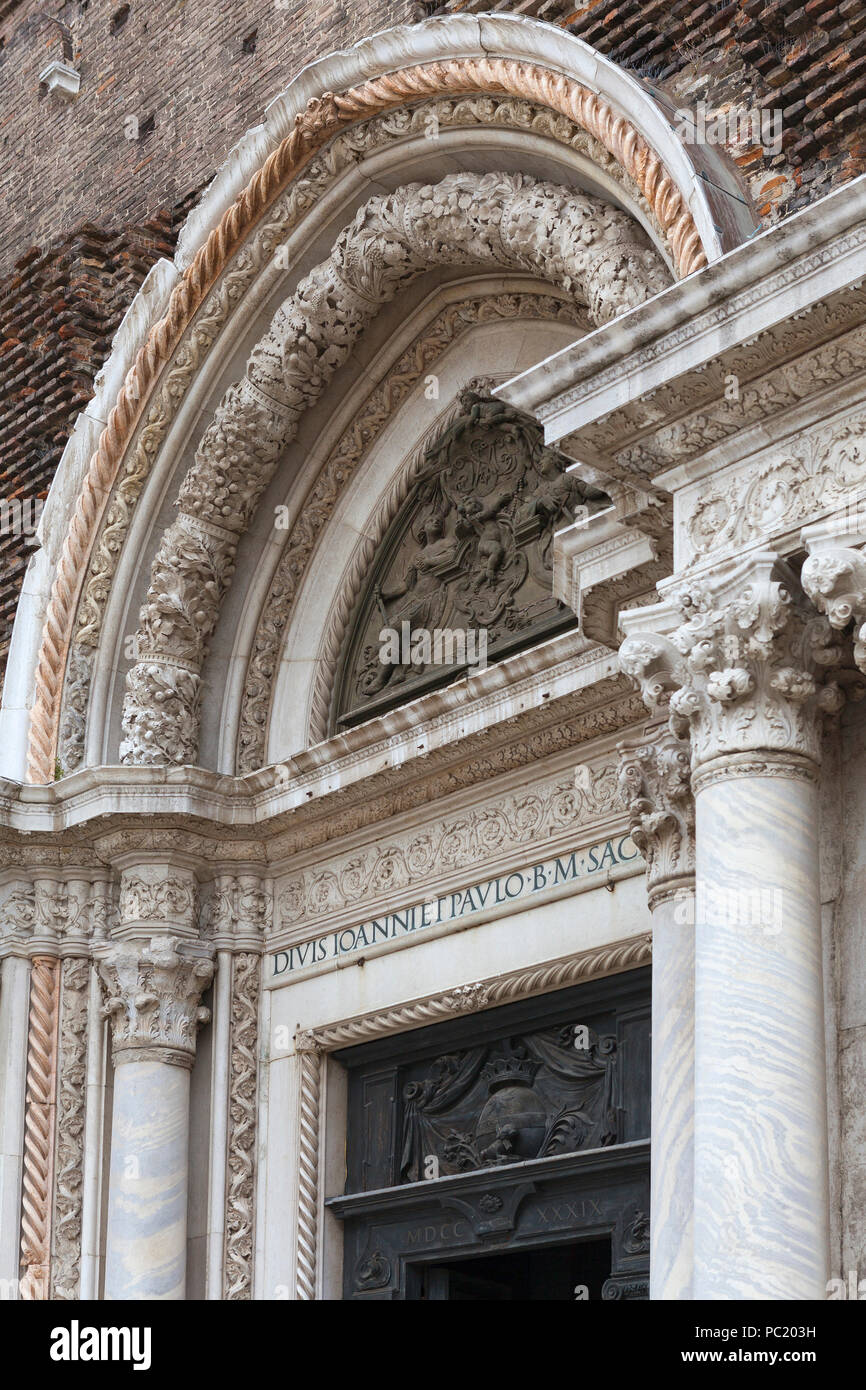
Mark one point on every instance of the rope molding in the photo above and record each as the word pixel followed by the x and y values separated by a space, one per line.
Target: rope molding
pixel 39 1128
pixel 313 1045
pixel 323 118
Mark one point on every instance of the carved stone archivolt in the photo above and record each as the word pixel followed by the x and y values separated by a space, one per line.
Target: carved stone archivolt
pixel 468 557
pixel 581 126
pixel 153 998
pixel 595 252
pixel 341 465
pixel 748 668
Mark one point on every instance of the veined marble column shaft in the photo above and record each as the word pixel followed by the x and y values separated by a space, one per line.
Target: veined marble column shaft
pixel 154 1001
pixel 146 1237
pixel 744 675
pixel 655 786
pixel 761 1183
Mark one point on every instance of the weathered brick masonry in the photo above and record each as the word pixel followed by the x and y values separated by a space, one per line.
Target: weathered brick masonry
pixel 808 61
pixel 87 208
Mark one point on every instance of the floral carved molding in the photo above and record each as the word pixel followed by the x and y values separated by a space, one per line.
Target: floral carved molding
pixel 534 816
pixel 323 120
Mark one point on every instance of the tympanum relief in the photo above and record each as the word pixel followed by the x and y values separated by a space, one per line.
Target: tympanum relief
pixel 464 575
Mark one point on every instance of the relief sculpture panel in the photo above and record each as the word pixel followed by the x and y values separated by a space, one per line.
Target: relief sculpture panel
pixel 464 574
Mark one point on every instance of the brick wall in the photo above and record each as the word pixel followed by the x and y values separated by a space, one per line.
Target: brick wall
pixel 194 74
pixel 58 312
pixel 805 60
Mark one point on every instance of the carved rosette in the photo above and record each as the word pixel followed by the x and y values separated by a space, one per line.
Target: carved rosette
pixel 746 672
pixel 591 249
pixel 656 790
pixel 153 998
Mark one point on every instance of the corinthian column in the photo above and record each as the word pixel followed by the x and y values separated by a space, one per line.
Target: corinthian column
pixel 655 785
pixel 153 991
pixel 744 678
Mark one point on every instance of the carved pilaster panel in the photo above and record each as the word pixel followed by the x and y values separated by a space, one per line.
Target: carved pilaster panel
pixel 71 1097
pixel 243 1094
pixel 655 786
pixel 39 1129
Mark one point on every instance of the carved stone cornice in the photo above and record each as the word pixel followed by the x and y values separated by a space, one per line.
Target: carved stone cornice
pixel 655 787
pixel 153 998
pixel 745 672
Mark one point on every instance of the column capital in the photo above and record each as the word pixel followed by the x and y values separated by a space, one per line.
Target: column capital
pixel 153 995
pixel 745 671
pixel 655 788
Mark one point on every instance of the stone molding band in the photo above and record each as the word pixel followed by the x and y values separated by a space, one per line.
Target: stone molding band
pixel 323 118
pixel 675 891
pixel 727 767
pixel 313 1045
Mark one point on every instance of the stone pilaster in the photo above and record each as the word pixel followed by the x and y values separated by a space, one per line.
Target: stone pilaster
pixel 655 785
pixel 745 677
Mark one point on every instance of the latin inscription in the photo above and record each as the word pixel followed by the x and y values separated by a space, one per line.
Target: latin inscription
pixel 456 906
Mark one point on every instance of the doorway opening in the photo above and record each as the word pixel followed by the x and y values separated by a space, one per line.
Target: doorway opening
pixel 573 1271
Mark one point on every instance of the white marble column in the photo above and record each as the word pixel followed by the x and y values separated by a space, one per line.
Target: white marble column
pixel 761 1183
pixel 154 1002
pixel 745 677
pixel 656 789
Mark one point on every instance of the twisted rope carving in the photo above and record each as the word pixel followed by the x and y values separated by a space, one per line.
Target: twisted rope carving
pixel 308 1168
pixel 66 1259
pixel 324 117
pixel 238 1274
pixel 39 1129
pixel 487 994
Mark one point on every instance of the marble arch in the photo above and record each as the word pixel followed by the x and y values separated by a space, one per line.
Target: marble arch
pixel 169 325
